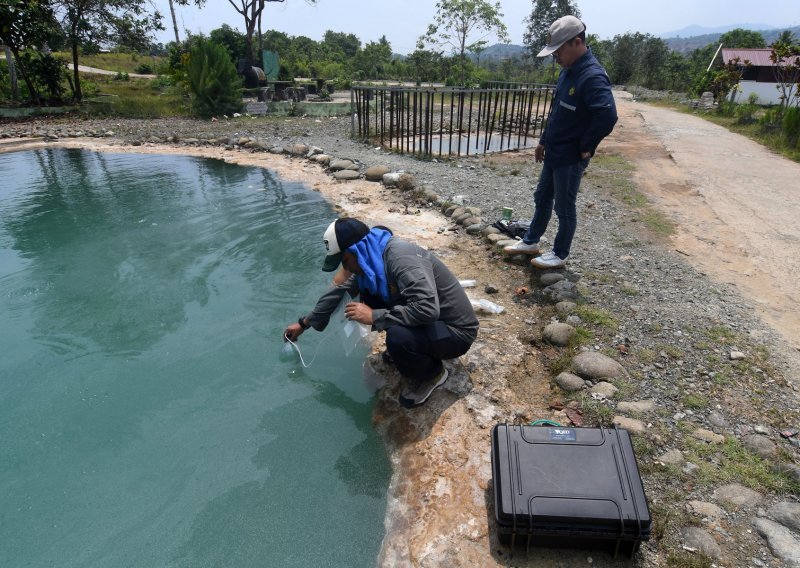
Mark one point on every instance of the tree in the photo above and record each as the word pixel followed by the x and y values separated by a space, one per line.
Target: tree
pixel 786 69
pixel 198 3
pixel 26 24
pixel 233 40
pixel 251 11
pixel 742 39
pixel 455 23
pixel 215 86
pixel 544 13
pixel 374 58
pixel 341 47
pixel 98 21
pixel 426 65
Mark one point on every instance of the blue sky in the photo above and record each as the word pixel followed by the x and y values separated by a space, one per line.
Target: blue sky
pixel 403 21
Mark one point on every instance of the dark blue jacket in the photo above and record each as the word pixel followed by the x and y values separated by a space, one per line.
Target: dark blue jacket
pixel 583 112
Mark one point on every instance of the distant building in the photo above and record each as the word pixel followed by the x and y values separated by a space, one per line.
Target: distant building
pixel 758 77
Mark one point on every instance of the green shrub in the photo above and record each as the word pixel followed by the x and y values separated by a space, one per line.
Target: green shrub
pixel 791 126
pixel 771 117
pixel 745 112
pixel 215 86
pixel 144 69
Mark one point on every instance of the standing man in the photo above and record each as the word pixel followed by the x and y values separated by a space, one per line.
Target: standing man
pixel 404 290
pixel 582 114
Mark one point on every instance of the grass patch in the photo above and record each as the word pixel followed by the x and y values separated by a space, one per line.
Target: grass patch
pixel 137 98
pixel 720 334
pixel 595 413
pixel 685 559
pixel 695 401
pixel 731 462
pixel 118 62
pixel 597 316
pixel 614 174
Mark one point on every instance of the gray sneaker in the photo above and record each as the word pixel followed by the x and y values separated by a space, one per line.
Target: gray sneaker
pixel 548 260
pixel 415 394
pixel 521 247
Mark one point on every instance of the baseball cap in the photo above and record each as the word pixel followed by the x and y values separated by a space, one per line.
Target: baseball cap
pixel 561 31
pixel 339 235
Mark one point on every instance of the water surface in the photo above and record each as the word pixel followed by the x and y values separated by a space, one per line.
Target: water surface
pixel 145 419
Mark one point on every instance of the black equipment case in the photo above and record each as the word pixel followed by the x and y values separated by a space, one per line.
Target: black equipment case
pixel 568 488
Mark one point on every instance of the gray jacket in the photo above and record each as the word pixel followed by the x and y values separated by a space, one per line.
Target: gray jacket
pixel 422 290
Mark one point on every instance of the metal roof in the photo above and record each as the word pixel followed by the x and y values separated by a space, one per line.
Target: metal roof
pixel 757 57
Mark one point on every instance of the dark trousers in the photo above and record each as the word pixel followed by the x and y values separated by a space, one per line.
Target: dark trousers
pixel 418 351
pixel 557 186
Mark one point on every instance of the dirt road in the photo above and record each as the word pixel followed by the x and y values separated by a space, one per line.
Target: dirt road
pixel 736 203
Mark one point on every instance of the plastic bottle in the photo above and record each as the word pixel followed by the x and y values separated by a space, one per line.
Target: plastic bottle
pixel 288 353
pixel 491 307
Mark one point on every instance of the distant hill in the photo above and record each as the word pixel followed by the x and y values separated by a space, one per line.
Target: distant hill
pixel 682 44
pixel 691 31
pixel 687 44
pixel 501 51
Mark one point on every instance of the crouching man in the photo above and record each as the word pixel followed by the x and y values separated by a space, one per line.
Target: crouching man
pixel 403 290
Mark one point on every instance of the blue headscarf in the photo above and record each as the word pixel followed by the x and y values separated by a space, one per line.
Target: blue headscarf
pixel 369 253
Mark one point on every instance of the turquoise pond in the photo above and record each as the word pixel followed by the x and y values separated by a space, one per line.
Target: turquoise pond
pixel 146 418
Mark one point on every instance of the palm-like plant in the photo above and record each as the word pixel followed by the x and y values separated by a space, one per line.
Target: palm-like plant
pixel 213 82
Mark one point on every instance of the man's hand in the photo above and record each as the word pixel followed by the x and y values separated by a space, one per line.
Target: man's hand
pixel 586 155
pixel 293 332
pixel 538 153
pixel 359 312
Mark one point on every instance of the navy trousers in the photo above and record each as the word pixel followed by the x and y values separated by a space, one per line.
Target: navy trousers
pixel 418 351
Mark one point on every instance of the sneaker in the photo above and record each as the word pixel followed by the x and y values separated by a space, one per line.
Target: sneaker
pixel 416 394
pixel 521 247
pixel 548 260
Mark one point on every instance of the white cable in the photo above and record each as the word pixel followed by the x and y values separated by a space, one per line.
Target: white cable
pixel 316 351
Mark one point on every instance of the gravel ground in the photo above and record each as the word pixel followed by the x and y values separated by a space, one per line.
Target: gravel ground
pixel 694 347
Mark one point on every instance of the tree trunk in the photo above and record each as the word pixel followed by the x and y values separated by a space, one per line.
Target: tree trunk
pixel 174 21
pixel 25 77
pixel 12 71
pixel 75 75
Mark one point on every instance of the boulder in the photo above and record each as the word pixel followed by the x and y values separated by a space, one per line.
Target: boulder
pixel 738 495
pixel 782 542
pixel 637 407
pixel 339 165
pixel 570 382
pixel 630 424
pixel 559 334
pixel 376 173
pixel 761 446
pixel 295 150
pixel 596 366
pixel 699 540
pixel 604 389
pixel 346 175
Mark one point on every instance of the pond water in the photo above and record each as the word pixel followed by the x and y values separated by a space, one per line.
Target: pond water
pixel 145 416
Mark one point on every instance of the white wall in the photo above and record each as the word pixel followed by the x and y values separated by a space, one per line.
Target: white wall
pixel 767 92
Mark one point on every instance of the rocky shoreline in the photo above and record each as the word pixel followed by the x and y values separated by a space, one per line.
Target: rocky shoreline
pixel 628 334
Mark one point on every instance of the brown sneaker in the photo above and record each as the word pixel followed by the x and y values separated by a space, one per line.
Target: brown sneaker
pixel 415 394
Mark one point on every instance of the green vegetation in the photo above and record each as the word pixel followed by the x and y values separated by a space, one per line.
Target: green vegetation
pixel 597 316
pixel 123 62
pixel 614 174
pixel 213 81
pixel 732 463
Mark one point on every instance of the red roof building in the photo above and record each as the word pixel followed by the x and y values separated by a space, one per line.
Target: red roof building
pixel 758 75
